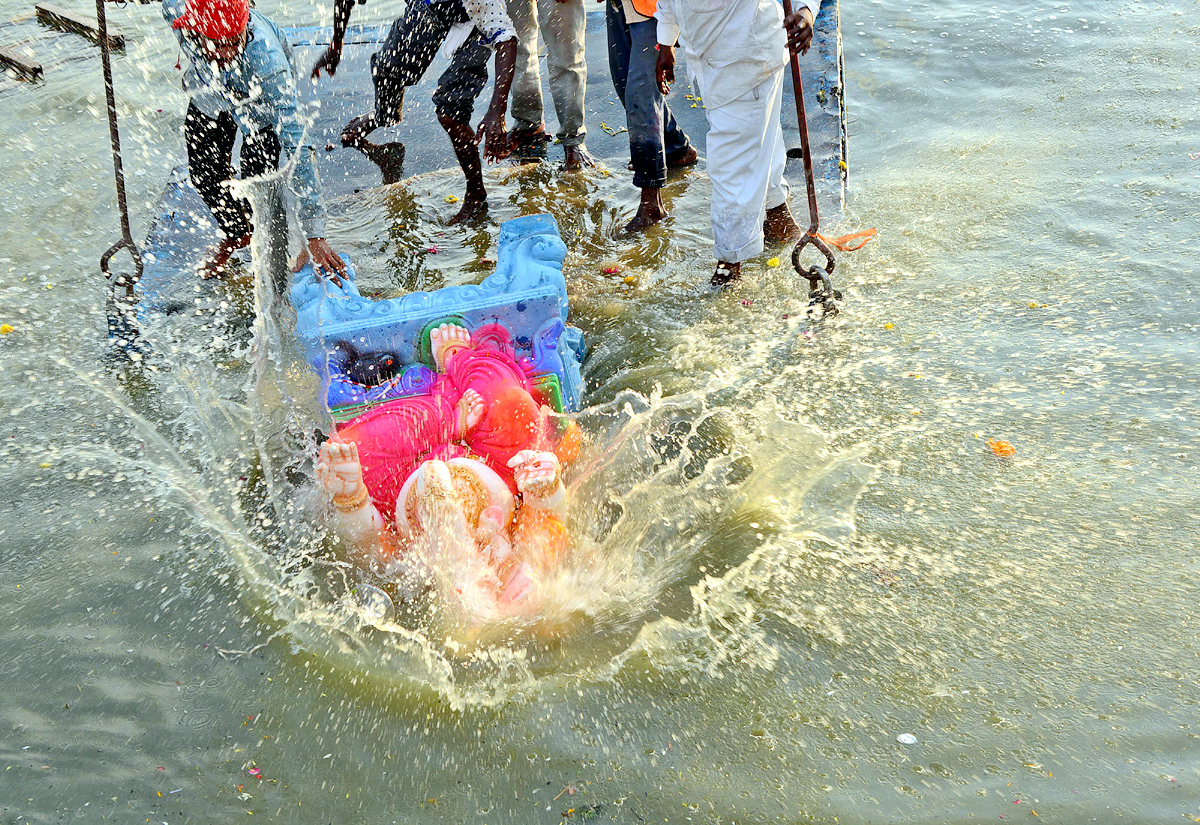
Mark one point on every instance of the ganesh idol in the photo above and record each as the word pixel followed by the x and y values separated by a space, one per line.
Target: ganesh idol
pixel 459 487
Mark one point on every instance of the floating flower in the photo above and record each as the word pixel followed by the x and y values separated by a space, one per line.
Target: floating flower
pixel 773 262
pixel 5 329
pixel 1001 448
pixel 452 199
pixel 611 268
pixel 889 325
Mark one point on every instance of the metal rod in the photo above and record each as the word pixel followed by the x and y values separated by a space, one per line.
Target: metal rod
pixel 126 241
pixel 798 89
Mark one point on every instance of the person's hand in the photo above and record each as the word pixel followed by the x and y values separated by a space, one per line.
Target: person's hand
pixel 494 134
pixel 326 263
pixel 799 25
pixel 328 61
pixel 664 68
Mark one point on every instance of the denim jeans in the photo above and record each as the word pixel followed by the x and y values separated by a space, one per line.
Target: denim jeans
pixel 654 135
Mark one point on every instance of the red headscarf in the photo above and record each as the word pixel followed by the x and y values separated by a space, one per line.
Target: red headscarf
pixel 215 19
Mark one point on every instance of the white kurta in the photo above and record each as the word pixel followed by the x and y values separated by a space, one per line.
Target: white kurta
pixel 736 52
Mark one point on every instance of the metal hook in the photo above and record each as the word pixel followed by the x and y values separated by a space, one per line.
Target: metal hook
pixel 822 296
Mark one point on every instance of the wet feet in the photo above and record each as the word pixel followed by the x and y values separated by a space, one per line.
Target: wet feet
pixel 650 211
pixel 474 206
pixel 577 157
pixel 780 227
pixel 726 273
pixel 684 157
pixel 217 257
pixel 389 157
pixel 528 145
pixel 356 131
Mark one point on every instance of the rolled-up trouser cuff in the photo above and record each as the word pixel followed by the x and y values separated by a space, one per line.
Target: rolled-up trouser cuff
pixel 649 165
pixel 313 227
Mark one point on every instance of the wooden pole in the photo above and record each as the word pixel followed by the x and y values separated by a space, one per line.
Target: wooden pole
pixel 57 17
pixel 19 63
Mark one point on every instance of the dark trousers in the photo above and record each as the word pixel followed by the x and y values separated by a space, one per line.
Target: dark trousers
pixel 654 135
pixel 210 164
pixel 412 42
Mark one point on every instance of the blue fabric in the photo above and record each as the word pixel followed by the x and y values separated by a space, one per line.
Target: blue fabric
pixel 259 90
pixel 653 133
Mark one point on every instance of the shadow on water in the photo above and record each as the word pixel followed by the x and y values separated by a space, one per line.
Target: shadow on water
pixel 700 509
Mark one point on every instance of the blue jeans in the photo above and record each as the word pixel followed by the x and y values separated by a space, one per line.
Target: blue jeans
pixel 654 135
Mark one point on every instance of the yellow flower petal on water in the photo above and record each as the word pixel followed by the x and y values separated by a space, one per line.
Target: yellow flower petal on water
pixel 5 329
pixel 889 325
pixel 773 262
pixel 452 199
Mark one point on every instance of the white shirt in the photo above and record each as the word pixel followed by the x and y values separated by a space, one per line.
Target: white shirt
pixel 731 45
pixel 491 18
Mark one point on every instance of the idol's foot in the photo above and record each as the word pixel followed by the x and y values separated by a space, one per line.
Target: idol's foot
pixel 444 341
pixel 470 411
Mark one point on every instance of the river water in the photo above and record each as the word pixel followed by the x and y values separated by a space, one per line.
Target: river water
pixel 806 590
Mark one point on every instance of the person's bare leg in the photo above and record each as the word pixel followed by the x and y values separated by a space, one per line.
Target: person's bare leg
pixel 779 226
pixel 650 211
pixel 218 256
pixel 462 138
pixel 726 273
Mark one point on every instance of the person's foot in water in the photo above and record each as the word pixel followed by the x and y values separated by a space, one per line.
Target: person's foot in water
pixel 577 157
pixel 356 131
pixel 685 157
pixel 780 227
pixel 474 206
pixel 217 257
pixel 650 211
pixel 726 273
pixel 527 145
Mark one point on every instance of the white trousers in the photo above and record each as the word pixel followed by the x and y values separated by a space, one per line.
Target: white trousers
pixel 746 156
